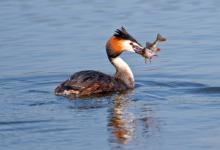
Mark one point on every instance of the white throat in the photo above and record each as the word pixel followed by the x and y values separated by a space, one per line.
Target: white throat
pixel 123 71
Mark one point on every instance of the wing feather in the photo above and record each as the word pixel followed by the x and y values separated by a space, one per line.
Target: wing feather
pixel 89 82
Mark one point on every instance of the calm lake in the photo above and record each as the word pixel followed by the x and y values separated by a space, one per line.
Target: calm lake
pixel 176 102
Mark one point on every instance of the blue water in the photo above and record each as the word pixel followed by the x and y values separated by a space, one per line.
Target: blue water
pixel 176 102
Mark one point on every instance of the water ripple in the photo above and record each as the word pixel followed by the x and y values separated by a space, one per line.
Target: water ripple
pixel 173 84
pixel 207 90
pixel 53 130
pixel 22 122
pixel 38 103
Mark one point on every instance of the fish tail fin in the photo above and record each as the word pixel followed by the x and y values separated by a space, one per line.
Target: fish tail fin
pixel 160 38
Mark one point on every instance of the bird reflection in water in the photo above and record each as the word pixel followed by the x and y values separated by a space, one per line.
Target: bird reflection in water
pixel 125 126
pixel 121 123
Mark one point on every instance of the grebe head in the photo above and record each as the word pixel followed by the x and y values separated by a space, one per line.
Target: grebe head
pixel 122 41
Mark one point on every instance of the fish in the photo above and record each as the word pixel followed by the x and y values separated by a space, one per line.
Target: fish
pixel 151 49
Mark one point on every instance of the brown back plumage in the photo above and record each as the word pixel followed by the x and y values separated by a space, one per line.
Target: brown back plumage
pixel 89 82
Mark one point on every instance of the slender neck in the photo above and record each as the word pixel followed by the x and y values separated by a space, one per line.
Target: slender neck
pixel 123 71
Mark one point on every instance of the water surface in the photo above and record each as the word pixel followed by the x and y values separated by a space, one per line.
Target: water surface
pixel 176 103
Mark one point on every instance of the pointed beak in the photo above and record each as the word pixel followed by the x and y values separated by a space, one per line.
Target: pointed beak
pixel 139 50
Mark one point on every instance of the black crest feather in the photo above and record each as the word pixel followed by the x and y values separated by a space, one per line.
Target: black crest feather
pixel 122 33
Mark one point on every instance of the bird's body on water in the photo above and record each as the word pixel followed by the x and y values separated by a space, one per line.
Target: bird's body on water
pixel 90 82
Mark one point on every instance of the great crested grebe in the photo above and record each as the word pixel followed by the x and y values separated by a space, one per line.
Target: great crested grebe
pixel 90 82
